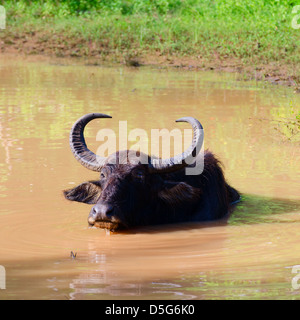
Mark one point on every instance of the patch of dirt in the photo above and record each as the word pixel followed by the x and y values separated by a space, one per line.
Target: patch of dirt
pixel 56 45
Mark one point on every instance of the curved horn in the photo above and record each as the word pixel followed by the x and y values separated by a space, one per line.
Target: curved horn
pixel 78 146
pixel 182 160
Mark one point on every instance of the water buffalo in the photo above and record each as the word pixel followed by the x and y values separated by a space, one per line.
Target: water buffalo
pixel 132 193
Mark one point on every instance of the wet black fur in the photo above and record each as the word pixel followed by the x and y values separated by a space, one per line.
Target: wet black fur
pixel 142 198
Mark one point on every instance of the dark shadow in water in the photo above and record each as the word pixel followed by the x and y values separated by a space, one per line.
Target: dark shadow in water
pixel 173 227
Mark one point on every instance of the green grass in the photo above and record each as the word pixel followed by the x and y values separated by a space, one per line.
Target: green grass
pixel 253 31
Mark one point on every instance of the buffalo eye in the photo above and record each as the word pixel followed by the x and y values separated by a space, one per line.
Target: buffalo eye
pixel 102 175
pixel 138 174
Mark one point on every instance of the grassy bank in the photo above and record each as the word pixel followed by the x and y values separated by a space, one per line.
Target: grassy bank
pixel 253 35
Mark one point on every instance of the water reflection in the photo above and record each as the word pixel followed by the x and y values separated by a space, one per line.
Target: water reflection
pixel 259 209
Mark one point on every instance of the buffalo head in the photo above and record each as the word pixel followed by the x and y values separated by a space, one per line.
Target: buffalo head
pixel 131 192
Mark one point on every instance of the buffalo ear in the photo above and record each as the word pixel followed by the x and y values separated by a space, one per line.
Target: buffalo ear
pixel 176 193
pixel 87 192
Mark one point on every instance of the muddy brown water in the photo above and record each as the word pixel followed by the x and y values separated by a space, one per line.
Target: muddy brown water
pixel 250 257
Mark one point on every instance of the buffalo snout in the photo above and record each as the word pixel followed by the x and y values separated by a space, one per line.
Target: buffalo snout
pixel 101 212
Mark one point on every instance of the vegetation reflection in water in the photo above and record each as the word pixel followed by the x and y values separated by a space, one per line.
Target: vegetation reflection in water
pixel 258 209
